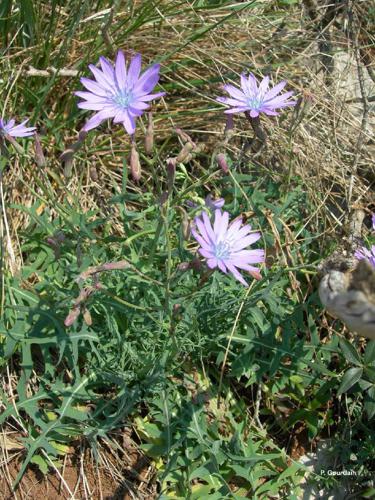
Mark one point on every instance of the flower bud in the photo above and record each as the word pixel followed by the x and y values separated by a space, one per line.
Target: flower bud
pixel 186 227
pixel 39 155
pixel 184 136
pixel 72 316
pixel 93 174
pixel 183 266
pixel 185 153
pixel 171 170
pixel 87 317
pixel 135 166
pixel 222 162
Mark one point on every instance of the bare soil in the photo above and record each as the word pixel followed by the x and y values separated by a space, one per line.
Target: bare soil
pixel 129 477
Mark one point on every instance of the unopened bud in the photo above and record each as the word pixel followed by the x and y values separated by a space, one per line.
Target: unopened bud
pixel 93 174
pixel 186 227
pixel 222 162
pixel 135 165
pixel 171 170
pixel 184 136
pixel 87 317
pixel 185 153
pixel 39 155
pixel 72 316
pixel 67 156
pixel 176 308
pixel 149 139
pixel 163 198
pixel 184 266
pixel 256 275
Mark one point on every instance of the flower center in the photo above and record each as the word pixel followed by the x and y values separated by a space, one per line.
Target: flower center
pixel 123 99
pixel 255 102
pixel 222 250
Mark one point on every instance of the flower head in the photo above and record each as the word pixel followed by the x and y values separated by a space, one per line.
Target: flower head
pixel 224 245
pixel 14 130
pixel 256 99
pixel 213 204
pixel 365 253
pixel 119 92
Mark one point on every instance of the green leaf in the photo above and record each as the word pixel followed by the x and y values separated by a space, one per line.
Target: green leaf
pixel 41 463
pixel 370 353
pixel 370 402
pixel 350 377
pixel 370 372
pixel 350 352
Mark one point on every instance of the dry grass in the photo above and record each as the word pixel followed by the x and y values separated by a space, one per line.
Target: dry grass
pixel 328 141
pixel 320 142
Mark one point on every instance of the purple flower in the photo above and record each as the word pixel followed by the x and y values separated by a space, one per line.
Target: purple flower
pixel 224 246
pixel 119 92
pixel 365 253
pixel 256 99
pixel 14 130
pixel 213 204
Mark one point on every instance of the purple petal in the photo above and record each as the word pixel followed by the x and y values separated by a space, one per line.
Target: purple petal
pixel 222 266
pixel 236 274
pixel 203 243
pixel 275 90
pixel 278 99
pixel 151 97
pixel 120 70
pixel 129 123
pixel 232 102
pixel 264 85
pixel 248 256
pixel 202 229
pixel 213 262
pixel 139 105
pixel 148 80
pixel 244 242
pixel 253 84
pixel 134 70
pixel 93 106
pixel 206 253
pixel 97 119
pixel 89 96
pixel 94 87
pixel 120 116
pixel 134 111
pixel 208 227
pixel 234 226
pixel 100 78
pixel 107 69
pixel 245 84
pixel 221 224
pixel 234 92
pixel 236 110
